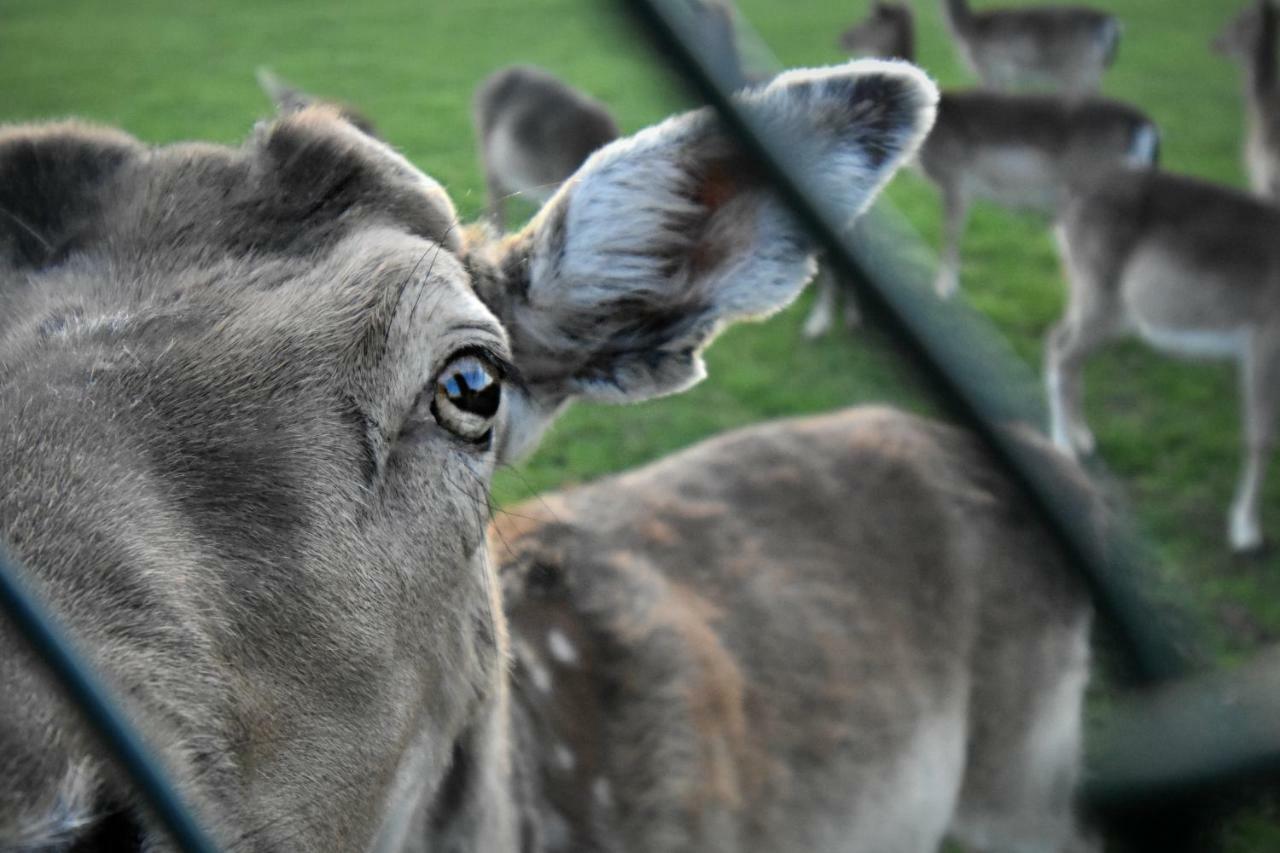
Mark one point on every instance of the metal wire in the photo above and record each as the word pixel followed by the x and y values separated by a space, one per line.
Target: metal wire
pixel 974 391
pixel 101 711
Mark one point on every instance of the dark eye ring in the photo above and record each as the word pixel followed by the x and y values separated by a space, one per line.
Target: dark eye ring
pixel 466 397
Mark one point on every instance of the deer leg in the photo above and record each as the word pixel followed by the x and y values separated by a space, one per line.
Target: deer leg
pixel 956 213
pixel 1070 342
pixel 824 303
pixel 1260 371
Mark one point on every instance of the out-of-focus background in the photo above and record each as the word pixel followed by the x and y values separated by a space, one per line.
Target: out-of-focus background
pixel 1168 430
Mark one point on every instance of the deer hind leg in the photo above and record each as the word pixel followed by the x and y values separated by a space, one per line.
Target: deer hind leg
pixel 956 214
pixel 1260 373
pixel 1025 753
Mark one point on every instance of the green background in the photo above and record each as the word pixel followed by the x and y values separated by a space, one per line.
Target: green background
pixel 1167 430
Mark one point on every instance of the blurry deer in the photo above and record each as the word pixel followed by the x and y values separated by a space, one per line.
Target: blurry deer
pixel 534 131
pixel 841 633
pixel 1062 48
pixel 1018 151
pixel 1193 269
pixel 1250 38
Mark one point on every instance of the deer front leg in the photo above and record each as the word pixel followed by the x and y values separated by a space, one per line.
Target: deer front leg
pixel 956 214
pixel 1260 371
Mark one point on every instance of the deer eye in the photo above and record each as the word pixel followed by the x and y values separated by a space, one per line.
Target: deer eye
pixel 466 398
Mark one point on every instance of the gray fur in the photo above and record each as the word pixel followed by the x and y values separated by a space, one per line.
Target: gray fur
pixel 534 131
pixel 1059 48
pixel 859 641
pixel 229 474
pixel 1250 38
pixel 1191 267
pixel 1024 152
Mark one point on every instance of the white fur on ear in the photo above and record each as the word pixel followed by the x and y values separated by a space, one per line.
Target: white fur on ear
pixel 867 117
pixel 663 238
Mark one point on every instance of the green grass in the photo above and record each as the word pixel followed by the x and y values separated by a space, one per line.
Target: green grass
pixel 1168 430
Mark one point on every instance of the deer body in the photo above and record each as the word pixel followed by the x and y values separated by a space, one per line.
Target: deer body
pixel 1021 151
pixel 256 395
pixel 1251 39
pixel 534 131
pixel 1193 269
pixel 709 658
pixel 1061 48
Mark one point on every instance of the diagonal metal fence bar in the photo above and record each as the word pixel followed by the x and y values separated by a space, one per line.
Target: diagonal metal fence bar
pixel 101 711
pixel 957 365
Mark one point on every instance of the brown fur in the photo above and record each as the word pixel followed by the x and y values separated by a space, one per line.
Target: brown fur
pixel 756 645
pixel 1193 268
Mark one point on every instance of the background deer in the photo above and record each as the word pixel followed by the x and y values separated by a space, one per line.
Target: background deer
pixel 1193 269
pixel 534 131
pixel 256 398
pixel 1022 152
pixel 859 641
pixel 1250 38
pixel 1062 48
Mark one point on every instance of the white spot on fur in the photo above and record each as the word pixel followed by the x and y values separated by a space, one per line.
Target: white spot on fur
pixel 539 675
pixel 560 647
pixel 602 791
pixel 564 757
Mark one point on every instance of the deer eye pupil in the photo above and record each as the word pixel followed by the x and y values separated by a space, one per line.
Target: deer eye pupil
pixel 470 386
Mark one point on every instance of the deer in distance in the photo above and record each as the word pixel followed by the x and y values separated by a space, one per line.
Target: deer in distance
pixel 257 397
pixel 1250 39
pixel 1064 49
pixel 1020 151
pixel 1193 269
pixel 534 131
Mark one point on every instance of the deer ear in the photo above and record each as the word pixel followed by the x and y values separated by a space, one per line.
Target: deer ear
pixel 662 239
pixel 289 99
pixel 54 188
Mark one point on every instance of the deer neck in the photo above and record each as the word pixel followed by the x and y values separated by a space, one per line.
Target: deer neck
pixel 959 16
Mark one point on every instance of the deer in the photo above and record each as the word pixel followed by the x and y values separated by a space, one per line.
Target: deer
pixel 534 131
pixel 1191 268
pixel 1064 49
pixel 1250 39
pixel 256 396
pixel 860 641
pixel 1020 151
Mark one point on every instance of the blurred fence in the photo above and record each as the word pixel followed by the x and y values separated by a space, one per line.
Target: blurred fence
pixel 1179 751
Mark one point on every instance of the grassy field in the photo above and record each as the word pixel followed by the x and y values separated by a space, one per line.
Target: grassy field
pixel 1168 430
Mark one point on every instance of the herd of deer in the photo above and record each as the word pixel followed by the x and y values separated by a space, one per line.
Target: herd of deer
pixel 256 396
